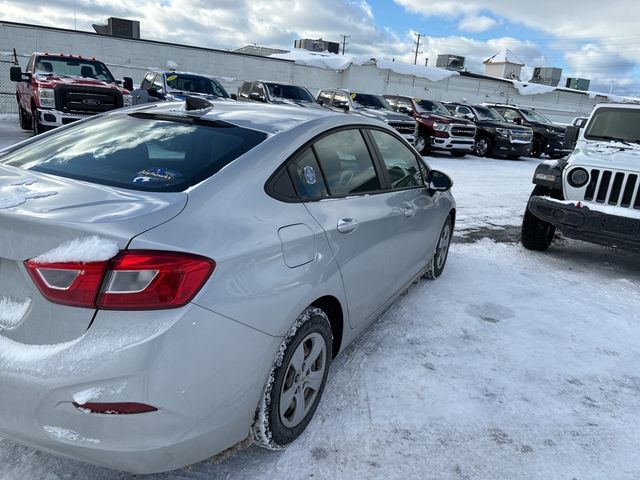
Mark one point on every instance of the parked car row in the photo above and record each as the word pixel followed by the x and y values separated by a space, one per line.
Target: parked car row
pixel 58 89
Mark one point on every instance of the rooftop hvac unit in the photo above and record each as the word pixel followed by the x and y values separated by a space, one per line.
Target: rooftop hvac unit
pixel 119 27
pixel 450 62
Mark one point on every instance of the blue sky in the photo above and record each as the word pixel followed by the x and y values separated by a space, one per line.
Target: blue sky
pixel 595 40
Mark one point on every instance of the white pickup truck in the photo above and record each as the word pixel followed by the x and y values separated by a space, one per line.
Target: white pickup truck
pixel 593 194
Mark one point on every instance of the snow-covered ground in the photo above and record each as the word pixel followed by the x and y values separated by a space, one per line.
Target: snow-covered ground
pixel 512 365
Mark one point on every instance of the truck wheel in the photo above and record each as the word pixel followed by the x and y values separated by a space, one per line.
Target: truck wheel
pixel 536 147
pixel 25 120
pixel 296 381
pixel 422 144
pixel 36 126
pixel 457 153
pixel 482 146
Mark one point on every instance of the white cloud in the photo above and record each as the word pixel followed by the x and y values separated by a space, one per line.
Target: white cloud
pixel 474 24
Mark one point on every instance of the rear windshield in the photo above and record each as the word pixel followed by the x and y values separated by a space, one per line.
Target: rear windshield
pixel 138 151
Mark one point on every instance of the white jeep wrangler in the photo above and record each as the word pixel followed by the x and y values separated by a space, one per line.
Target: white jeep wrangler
pixel 594 194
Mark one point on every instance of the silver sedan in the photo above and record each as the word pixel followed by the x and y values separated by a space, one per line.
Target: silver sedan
pixel 177 278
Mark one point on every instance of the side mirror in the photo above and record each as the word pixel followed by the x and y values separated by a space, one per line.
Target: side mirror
pixel 15 73
pixel 469 116
pixel 438 181
pixel 580 122
pixel 233 96
pixel 517 120
pixel 257 97
pixel 571 136
pixel 127 82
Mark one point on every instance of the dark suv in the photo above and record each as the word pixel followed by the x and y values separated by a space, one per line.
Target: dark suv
pixel 548 137
pixel 495 136
pixel 276 92
pixel 368 105
pixel 436 129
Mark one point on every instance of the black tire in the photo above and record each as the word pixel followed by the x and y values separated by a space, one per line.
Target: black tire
pixel 482 146
pixel 513 157
pixel 537 234
pixel 36 126
pixel 536 147
pixel 422 144
pixel 457 153
pixel 273 429
pixel 25 119
pixel 439 259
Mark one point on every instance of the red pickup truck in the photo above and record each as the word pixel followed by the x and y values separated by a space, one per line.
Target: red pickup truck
pixel 59 89
pixel 436 128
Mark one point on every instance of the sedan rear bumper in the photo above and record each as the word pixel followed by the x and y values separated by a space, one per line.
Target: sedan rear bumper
pixel 178 361
pixel 582 223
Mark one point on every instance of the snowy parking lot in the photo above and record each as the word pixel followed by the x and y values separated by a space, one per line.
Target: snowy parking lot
pixel 512 365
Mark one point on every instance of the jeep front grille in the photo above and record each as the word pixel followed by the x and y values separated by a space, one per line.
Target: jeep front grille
pixel 613 188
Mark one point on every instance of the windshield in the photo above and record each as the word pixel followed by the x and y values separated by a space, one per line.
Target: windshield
pixel 364 100
pixel 138 151
pixel 484 113
pixel 290 92
pixel 73 67
pixel 615 124
pixel 195 83
pixel 429 106
pixel 533 116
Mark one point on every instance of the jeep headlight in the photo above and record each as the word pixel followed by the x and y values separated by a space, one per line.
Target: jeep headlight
pixel 503 132
pixel 578 177
pixel 127 100
pixel 47 97
pixel 440 127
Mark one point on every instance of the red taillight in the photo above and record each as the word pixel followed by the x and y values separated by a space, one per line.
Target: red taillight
pixel 75 284
pixel 147 280
pixel 120 408
pixel 133 280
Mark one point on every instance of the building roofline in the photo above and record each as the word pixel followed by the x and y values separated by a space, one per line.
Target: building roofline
pixel 141 40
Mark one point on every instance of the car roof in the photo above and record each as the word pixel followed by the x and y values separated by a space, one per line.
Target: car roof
pixel 267 118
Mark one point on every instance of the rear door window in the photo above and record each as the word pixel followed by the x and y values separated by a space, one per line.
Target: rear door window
pixel 346 163
pixel 400 162
pixel 138 151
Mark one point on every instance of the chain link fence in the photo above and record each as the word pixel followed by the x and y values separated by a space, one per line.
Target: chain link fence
pixel 8 102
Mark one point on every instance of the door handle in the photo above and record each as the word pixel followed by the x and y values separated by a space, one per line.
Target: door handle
pixel 346 225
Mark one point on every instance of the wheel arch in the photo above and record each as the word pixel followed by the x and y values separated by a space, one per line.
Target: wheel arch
pixel 332 307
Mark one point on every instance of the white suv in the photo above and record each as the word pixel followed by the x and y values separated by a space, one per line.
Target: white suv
pixel 594 194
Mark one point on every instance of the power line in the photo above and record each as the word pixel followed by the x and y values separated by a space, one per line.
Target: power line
pixel 419 35
pixel 344 42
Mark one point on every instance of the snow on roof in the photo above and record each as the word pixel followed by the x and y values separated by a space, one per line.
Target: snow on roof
pixel 332 61
pixel 525 88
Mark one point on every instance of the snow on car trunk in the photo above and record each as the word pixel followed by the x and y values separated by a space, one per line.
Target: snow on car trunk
pixel 54 219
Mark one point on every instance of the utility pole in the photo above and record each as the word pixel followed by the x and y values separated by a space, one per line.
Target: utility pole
pixel 344 42
pixel 419 35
